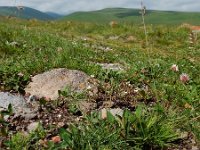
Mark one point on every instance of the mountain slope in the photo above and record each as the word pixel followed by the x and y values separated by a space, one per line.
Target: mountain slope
pixel 54 15
pixel 24 13
pixel 133 15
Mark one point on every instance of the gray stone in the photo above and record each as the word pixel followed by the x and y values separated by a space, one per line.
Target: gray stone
pixel 113 111
pixel 32 126
pixel 98 47
pixel 116 111
pixel 184 135
pixel 195 148
pixel 85 38
pixel 85 106
pixel 103 48
pixel 18 103
pixel 131 38
pixel 8 98
pixel 109 66
pixel 49 83
pixel 107 104
pixel 113 38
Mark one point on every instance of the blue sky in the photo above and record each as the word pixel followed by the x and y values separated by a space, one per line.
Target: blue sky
pixel 69 6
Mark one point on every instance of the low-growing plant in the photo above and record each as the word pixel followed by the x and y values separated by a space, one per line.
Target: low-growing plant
pixel 3 122
pixel 25 141
pixel 19 141
pixel 142 129
pixel 147 128
pixel 15 81
pixel 93 133
pixel 72 97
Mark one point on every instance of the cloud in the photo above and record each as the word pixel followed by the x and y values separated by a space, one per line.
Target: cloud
pixel 180 5
pixel 68 6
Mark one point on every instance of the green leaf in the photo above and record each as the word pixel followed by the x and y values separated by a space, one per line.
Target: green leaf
pixel 143 93
pixel 65 135
pixel 138 112
pixel 110 117
pixel 10 110
pixel 152 121
pixel 5 112
pixel 3 131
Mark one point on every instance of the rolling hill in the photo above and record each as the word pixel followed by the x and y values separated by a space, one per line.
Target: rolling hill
pixel 54 15
pixel 24 13
pixel 133 15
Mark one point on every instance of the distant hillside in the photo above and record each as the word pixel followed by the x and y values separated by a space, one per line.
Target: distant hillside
pixel 54 15
pixel 133 15
pixel 24 13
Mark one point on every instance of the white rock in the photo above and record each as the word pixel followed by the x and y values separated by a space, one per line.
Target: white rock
pixel 18 103
pixel 116 111
pixel 103 113
pixel 113 111
pixel 195 148
pixel 49 83
pixel 33 126
pixel 113 38
pixel 114 67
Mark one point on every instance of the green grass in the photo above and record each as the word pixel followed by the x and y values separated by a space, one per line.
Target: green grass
pixel 32 47
pixel 24 141
pixel 144 129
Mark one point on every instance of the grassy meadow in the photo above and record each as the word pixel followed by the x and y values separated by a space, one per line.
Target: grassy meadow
pixel 133 16
pixel 164 107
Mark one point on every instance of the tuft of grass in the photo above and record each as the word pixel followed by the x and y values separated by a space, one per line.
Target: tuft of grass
pixel 93 133
pixel 142 129
pixel 25 141
pixel 149 129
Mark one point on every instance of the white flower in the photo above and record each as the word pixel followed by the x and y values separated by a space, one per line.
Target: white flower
pixel 136 90
pixel 92 76
pixel 174 67
pixel 89 87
